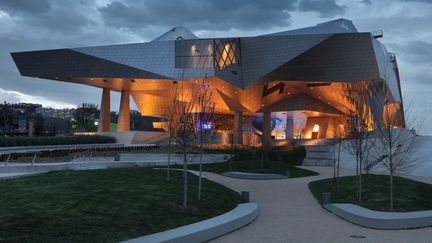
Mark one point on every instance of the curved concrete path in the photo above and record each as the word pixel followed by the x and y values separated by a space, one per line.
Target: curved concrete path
pixel 289 213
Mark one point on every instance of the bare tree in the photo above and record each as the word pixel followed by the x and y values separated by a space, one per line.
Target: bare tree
pixel 171 116
pixel 395 143
pixel 184 130
pixel 363 97
pixel 263 150
pixel 336 143
pixel 358 144
pixel 370 161
pixel 206 123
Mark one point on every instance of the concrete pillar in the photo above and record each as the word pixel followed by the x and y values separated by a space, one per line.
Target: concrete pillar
pixel 289 127
pixel 238 127
pixel 123 124
pixel 266 130
pixel 104 114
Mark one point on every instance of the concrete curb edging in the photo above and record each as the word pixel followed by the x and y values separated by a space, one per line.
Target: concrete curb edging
pixel 205 230
pixel 11 176
pixel 47 167
pixel 378 219
pixel 253 176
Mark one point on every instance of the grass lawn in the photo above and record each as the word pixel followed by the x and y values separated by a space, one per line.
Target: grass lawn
pixel 103 205
pixel 409 195
pixel 270 167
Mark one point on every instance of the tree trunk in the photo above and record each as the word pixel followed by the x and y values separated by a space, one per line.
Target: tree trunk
pixel 262 159
pixel 334 164
pixel 360 178
pixel 360 187
pixel 338 163
pixel 357 169
pixel 391 190
pixel 169 161
pixel 254 154
pixel 200 176
pixel 185 180
pixel 169 154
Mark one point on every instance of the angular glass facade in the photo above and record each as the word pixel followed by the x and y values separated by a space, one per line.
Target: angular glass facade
pixel 316 76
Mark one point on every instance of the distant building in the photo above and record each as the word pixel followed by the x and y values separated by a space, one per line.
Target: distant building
pixel 16 119
pixel 56 113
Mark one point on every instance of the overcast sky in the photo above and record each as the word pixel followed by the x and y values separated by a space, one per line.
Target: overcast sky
pixel 47 24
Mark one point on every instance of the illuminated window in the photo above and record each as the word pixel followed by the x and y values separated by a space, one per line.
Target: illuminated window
pixel 315 131
pixel 194 54
pixel 280 136
pixel 227 52
pixel 194 50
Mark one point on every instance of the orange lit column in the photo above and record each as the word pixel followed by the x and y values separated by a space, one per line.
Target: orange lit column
pixel 238 127
pixel 266 130
pixel 123 124
pixel 104 114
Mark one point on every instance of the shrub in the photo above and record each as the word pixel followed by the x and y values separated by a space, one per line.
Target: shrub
pixel 292 157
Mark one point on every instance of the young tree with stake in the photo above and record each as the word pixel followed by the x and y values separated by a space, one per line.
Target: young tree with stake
pixel 362 96
pixel 395 143
pixel 358 144
pixel 336 143
pixel 171 116
pixel 184 131
pixel 206 124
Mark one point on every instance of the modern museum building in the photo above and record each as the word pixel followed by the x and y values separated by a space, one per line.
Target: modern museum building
pixel 296 84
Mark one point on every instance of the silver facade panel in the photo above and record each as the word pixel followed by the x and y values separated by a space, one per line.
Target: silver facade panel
pixel 386 68
pixel 340 58
pixel 331 27
pixel 155 57
pixel 65 64
pixel 262 55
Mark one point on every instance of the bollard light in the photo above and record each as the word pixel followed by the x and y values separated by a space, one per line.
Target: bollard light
pixel 245 196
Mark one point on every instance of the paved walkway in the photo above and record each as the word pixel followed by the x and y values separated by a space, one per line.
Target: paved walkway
pixel 289 213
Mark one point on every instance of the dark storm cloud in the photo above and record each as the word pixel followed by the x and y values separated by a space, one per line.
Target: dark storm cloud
pixel 417 54
pixel 324 8
pixel 366 1
pixel 43 24
pixel 420 1
pixel 211 15
pixel 220 15
pixel 418 51
pixel 15 7
pixel 60 15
